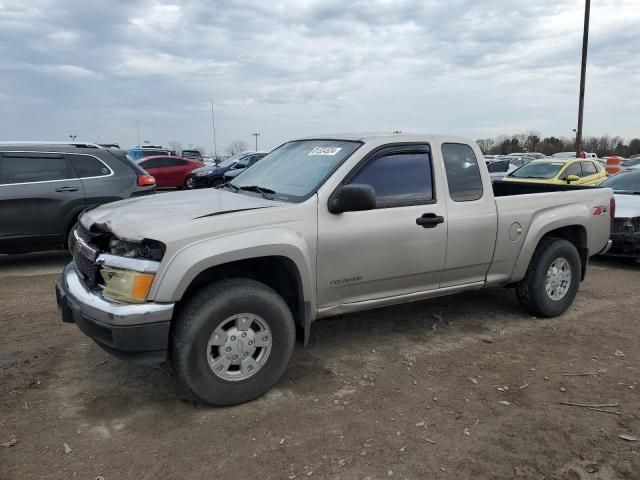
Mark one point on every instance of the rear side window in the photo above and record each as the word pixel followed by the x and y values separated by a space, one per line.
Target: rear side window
pixel 573 169
pixel 155 163
pixel 463 173
pixel 20 168
pixel 88 166
pixel 174 162
pixel 588 168
pixel 399 178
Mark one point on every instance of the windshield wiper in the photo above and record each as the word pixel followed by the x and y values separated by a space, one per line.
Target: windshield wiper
pixel 265 192
pixel 229 185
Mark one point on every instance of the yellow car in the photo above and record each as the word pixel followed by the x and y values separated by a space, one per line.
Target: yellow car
pixel 572 171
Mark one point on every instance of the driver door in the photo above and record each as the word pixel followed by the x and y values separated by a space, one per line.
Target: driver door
pixel 383 252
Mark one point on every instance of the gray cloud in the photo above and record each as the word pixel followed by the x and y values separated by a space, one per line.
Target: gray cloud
pixel 293 68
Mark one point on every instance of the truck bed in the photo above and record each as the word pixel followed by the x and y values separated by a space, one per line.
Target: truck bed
pixel 541 208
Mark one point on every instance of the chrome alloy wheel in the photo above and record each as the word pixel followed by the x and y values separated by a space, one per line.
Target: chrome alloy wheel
pixel 239 347
pixel 558 279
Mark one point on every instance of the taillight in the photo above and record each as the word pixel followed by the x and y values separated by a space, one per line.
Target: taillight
pixel 146 181
pixel 612 210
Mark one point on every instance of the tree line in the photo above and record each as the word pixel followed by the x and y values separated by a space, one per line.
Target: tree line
pixel 602 146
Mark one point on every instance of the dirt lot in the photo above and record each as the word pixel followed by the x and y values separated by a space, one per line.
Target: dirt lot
pixel 460 387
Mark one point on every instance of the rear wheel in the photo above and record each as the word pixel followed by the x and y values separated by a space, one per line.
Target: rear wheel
pixel 552 280
pixel 232 341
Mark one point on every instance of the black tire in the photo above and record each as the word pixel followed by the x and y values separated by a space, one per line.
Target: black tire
pixel 208 309
pixel 189 183
pixel 531 291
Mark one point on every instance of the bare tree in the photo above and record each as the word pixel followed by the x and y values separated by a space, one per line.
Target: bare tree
pixel 237 146
pixel 485 144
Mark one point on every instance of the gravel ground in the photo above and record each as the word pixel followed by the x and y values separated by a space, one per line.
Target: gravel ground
pixel 454 388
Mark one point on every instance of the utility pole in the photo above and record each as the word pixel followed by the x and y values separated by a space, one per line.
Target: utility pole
pixel 583 74
pixel 213 128
pixel 256 134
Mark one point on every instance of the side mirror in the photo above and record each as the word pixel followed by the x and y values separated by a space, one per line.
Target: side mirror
pixel 572 178
pixel 353 198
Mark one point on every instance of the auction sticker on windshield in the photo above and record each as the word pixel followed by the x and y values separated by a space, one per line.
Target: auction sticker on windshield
pixel 324 150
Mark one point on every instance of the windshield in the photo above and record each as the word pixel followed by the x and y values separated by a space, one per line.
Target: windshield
pixel 624 182
pixel 296 169
pixel 538 170
pixel 231 160
pixel 564 155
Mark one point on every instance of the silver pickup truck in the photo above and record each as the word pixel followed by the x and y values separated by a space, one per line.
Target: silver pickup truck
pixel 218 282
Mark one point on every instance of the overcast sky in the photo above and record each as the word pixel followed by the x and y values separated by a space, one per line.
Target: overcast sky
pixel 301 67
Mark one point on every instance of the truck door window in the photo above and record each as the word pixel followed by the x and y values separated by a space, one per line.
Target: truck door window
pixel 463 173
pixel 399 178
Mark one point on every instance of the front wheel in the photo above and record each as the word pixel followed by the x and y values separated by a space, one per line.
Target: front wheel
pixel 552 280
pixel 190 183
pixel 232 341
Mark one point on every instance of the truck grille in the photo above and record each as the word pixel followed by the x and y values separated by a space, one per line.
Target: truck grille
pixel 84 255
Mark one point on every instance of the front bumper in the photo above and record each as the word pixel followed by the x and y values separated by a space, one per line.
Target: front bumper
pixel 625 245
pixel 207 181
pixel 202 181
pixel 136 333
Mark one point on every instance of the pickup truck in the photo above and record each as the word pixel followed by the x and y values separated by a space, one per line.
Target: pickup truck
pixel 219 282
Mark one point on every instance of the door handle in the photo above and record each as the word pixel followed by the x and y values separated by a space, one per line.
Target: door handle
pixel 67 189
pixel 429 220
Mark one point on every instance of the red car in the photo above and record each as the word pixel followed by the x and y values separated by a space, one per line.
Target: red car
pixel 170 171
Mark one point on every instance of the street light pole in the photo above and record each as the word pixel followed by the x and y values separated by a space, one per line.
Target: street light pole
pixel 73 137
pixel 213 128
pixel 583 74
pixel 256 134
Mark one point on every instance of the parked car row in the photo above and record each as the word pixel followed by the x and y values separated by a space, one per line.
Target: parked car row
pixel 176 172
pixel 45 186
pixel 214 175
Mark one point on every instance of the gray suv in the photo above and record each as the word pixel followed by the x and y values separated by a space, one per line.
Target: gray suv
pixel 45 186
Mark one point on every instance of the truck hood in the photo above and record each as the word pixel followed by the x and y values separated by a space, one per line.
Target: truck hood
pixel 627 206
pixel 130 219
